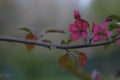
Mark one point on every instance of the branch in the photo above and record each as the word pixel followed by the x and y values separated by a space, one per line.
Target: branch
pixel 43 44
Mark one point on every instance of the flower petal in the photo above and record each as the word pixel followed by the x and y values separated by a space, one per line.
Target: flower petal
pixel 101 32
pixel 85 24
pixel 73 28
pixel 75 36
pixel 84 35
pixel 95 28
pixel 118 30
pixel 76 13
pixel 104 25
pixel 95 38
pixel 106 22
pixel 109 33
pixel 78 24
pixel 118 42
pixel 96 75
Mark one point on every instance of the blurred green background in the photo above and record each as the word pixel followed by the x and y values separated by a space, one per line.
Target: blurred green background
pixel 42 64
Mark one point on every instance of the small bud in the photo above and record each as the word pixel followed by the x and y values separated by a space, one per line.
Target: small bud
pixel 108 19
pixel 96 75
pixel 77 15
pixel 118 72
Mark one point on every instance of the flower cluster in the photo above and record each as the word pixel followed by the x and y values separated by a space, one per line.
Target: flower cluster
pixel 101 32
pixel 118 41
pixel 79 28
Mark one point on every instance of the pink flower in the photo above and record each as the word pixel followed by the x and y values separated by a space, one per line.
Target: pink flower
pixel 101 32
pixel 77 15
pixel 118 41
pixel 79 27
pixel 118 30
pixel 96 75
pixel 78 30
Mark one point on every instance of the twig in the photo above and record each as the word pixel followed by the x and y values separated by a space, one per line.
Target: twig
pixel 44 44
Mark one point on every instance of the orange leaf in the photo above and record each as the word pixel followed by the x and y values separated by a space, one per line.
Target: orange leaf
pixel 30 36
pixel 63 60
pixel 82 58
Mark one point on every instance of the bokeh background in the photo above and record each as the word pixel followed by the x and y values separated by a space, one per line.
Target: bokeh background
pixel 41 63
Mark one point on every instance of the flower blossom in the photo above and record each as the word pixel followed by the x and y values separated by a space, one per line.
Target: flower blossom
pixel 118 41
pixel 79 27
pixel 96 75
pixel 101 32
pixel 77 15
pixel 78 30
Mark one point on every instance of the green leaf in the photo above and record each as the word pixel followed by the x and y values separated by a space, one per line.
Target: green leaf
pixel 113 26
pixel 66 42
pixel 47 41
pixel 63 42
pixel 75 51
pixel 106 46
pixel 114 37
pixel 115 17
pixel 55 31
pixel 26 29
pixel 69 41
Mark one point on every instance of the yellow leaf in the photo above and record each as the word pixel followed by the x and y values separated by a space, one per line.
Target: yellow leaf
pixel 67 62
pixel 82 58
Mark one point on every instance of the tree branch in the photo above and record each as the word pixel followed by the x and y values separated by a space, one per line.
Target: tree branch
pixel 44 44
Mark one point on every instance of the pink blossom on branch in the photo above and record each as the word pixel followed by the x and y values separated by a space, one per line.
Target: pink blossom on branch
pixel 79 27
pixel 76 14
pixel 78 17
pixel 118 30
pixel 101 32
pixel 78 30
pixel 118 41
